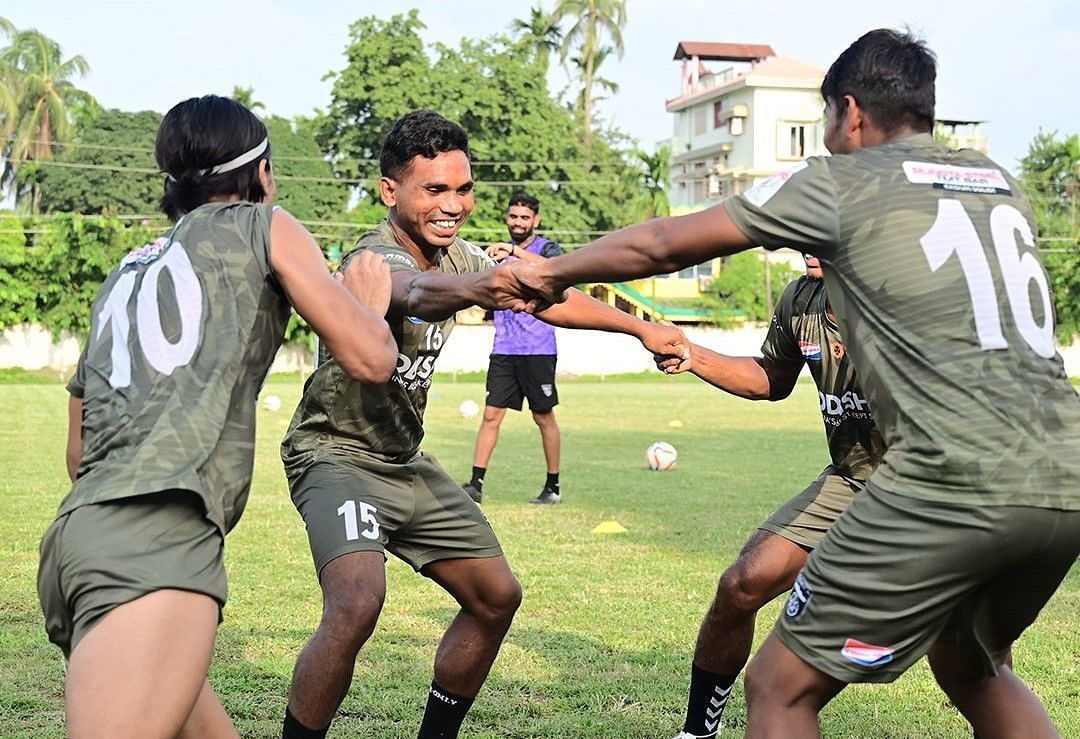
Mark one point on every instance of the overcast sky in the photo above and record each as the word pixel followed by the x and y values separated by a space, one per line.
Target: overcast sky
pixel 1014 64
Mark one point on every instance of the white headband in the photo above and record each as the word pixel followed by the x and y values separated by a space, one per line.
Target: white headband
pixel 240 161
pixel 248 156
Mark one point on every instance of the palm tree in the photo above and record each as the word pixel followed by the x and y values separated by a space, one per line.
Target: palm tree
pixel 655 173
pixel 9 98
pixel 45 94
pixel 246 97
pixel 591 19
pixel 541 30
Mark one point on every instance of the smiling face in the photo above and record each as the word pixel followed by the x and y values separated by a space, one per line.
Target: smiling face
pixel 521 221
pixel 430 199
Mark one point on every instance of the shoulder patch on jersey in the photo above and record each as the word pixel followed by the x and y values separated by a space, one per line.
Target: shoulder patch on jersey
pixel 761 194
pixel 144 254
pixel 479 253
pixel 810 350
pixel 987 180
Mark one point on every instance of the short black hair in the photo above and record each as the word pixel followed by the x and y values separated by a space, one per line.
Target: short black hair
pixel 198 134
pixel 891 75
pixel 524 198
pixel 422 133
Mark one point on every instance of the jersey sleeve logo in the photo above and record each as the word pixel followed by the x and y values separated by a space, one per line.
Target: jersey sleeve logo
pixel 810 350
pixel 986 180
pixel 761 194
pixel 144 254
pixel 837 350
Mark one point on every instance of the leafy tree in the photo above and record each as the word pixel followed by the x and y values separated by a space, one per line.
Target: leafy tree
pixel 41 78
pixel 1050 175
pixel 304 186
pixel 740 285
pixel 590 21
pixel 386 76
pixel 108 166
pixel 496 88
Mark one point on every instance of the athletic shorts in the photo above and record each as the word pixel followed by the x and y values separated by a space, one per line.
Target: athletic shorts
pixel 896 574
pixel 805 518
pixel 512 377
pixel 103 555
pixel 414 510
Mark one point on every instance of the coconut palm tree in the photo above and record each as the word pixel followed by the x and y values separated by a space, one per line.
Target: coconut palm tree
pixel 44 95
pixel 591 19
pixel 540 30
pixel 655 173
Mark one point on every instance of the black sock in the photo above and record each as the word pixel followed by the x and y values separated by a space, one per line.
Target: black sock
pixel 709 694
pixel 552 482
pixel 444 714
pixel 293 729
pixel 477 480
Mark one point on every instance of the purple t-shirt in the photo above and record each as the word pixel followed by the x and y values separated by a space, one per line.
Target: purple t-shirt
pixel 521 333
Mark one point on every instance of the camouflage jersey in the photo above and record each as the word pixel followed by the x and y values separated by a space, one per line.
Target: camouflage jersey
pixel 340 416
pixel 802 331
pixel 930 263
pixel 181 338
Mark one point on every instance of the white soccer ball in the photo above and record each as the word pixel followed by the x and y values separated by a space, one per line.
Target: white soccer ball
pixel 468 409
pixel 272 403
pixel 661 456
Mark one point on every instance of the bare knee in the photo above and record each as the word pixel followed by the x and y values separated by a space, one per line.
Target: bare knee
pixel 498 603
pixel 954 671
pixel 351 617
pixel 741 591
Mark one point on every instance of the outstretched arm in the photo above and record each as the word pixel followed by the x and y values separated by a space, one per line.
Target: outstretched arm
pixel 754 378
pixel 582 311
pixel 435 296
pixel 348 312
pixel 659 246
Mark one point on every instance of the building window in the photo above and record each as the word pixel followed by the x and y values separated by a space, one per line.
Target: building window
pixel 717 114
pixel 794 140
pixel 700 120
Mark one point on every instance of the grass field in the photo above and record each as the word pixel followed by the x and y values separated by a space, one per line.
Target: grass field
pixel 601 646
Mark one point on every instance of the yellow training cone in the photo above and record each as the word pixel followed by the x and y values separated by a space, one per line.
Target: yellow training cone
pixel 609 527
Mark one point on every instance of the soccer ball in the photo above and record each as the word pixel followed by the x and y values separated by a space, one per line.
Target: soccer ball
pixel 468 409
pixel 272 403
pixel 661 456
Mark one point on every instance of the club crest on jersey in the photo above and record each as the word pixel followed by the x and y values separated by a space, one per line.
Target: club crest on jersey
pixel 799 598
pixel 867 655
pixel 810 350
pixel 144 254
pixel 837 350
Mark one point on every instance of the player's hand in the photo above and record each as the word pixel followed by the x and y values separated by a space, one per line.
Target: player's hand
pixel 670 347
pixel 499 289
pixel 499 252
pixel 367 277
pixel 537 290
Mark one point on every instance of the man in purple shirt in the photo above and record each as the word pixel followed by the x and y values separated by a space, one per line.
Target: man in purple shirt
pixel 522 361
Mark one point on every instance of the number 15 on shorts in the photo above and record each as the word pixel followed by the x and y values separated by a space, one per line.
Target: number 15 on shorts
pixel 355 513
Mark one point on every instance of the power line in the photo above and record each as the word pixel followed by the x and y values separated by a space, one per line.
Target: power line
pixel 553 184
pixel 285 157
